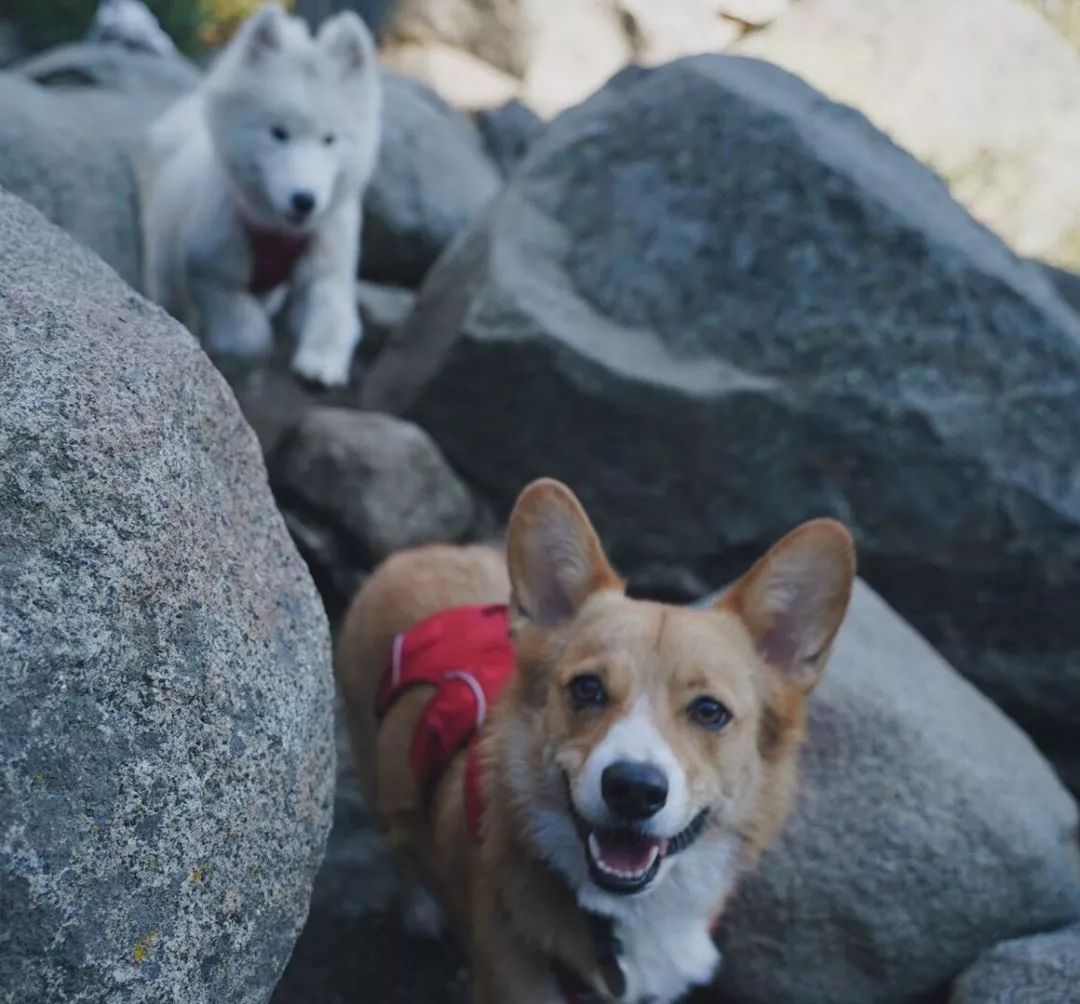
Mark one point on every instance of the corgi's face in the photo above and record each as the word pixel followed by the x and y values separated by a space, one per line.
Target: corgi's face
pixel 647 732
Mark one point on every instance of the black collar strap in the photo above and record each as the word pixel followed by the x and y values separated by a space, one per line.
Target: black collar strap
pixel 693 830
pixel 608 949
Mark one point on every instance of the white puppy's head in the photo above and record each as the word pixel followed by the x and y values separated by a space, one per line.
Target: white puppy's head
pixel 295 119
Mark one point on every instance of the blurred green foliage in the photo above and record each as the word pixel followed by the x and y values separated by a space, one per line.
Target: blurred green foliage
pixel 54 21
pixel 194 25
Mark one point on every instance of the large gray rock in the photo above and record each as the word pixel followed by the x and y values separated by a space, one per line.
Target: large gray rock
pixel 115 67
pixel 432 179
pixel 986 92
pixel 1039 969
pixel 68 119
pixel 64 151
pixel 166 757
pixel 508 132
pixel 716 304
pixel 927 829
pixel 356 486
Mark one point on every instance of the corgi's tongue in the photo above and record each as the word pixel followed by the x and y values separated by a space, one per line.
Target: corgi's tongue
pixel 625 854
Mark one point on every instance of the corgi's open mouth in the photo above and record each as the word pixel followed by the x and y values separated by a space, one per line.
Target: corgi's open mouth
pixel 623 861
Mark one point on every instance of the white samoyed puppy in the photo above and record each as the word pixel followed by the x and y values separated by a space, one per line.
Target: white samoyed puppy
pixel 252 187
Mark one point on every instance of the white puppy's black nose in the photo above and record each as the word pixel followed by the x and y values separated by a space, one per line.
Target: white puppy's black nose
pixel 633 790
pixel 302 203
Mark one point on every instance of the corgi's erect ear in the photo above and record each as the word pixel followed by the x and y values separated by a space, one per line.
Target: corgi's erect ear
pixel 555 558
pixel 263 34
pixel 346 40
pixel 793 600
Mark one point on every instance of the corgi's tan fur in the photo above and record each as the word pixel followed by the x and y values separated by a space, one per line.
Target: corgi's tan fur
pixel 638 762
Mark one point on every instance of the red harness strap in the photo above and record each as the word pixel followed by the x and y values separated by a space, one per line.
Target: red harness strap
pixel 466 654
pixel 274 254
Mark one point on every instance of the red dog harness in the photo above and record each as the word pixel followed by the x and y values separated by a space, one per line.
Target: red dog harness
pixel 466 654
pixel 274 255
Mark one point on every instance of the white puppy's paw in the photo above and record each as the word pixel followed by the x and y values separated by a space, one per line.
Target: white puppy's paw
pixel 328 369
pixel 421 913
pixel 326 361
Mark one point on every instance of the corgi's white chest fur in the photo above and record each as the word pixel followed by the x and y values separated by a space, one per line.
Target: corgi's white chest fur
pixel 666 946
pixel 661 965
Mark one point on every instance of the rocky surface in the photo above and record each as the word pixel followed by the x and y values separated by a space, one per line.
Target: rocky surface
pixel 432 179
pixel 166 757
pixel 928 828
pixel 64 151
pixel 460 78
pixel 711 355
pixel 68 120
pixel 551 54
pixel 508 132
pixel 353 947
pixel 986 92
pixel 382 309
pixel 110 66
pixel 1039 969
pixel 355 487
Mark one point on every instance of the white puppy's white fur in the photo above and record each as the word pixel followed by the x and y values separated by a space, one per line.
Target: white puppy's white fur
pixel 280 114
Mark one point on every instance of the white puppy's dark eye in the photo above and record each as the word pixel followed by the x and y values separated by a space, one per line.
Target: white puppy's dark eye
pixel 329 139
pixel 280 133
pixel 709 713
pixel 586 691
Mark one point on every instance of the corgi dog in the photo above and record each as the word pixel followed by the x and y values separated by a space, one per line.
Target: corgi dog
pixel 583 813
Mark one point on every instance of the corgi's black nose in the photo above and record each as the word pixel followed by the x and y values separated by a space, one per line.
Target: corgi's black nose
pixel 302 203
pixel 633 790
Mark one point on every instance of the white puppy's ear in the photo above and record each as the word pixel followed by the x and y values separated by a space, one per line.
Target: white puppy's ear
pixel 555 558
pixel 263 33
pixel 793 600
pixel 346 40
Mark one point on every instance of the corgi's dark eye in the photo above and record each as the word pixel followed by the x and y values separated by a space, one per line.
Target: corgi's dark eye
pixel 709 713
pixel 586 691
pixel 329 139
pixel 280 133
